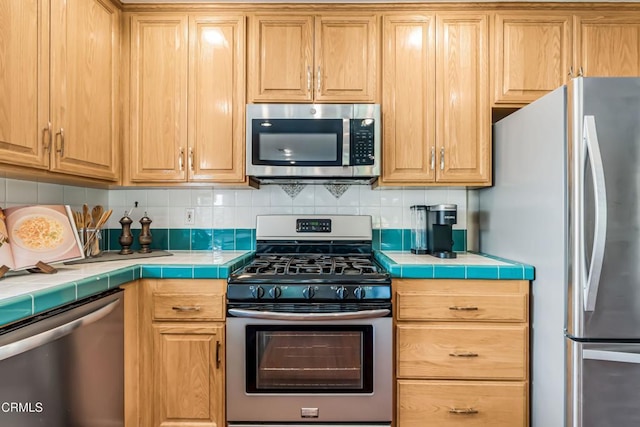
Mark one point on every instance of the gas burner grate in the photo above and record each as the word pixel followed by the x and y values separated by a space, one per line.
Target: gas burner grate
pixel 311 264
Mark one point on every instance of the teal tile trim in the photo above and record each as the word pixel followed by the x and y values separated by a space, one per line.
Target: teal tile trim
pixel 54 297
pixel 180 239
pixel 92 285
pixel 395 270
pixel 391 239
pixel 459 240
pixel 16 308
pixel 202 239
pixel 516 271
pixel 449 272
pixel 513 271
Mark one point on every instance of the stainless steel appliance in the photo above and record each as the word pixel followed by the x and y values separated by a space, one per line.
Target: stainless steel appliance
pixel 567 186
pixel 313 142
pixel 309 327
pixel 64 368
pixel 440 218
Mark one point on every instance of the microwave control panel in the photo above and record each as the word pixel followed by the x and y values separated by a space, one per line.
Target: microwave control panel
pixel 362 142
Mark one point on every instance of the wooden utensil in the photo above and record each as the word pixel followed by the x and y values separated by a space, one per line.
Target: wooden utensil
pixel 96 214
pixel 98 226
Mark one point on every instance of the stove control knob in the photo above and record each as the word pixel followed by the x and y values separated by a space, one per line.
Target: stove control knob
pixel 342 292
pixel 275 292
pixel 359 293
pixel 257 292
pixel 308 292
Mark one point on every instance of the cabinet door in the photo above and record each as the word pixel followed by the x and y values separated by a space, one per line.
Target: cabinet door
pixel 216 98
pixel 158 98
pixel 532 56
pixel 24 82
pixel 281 58
pixel 346 58
pixel 463 132
pixel 84 90
pixel 188 374
pixel 408 99
pixel 608 46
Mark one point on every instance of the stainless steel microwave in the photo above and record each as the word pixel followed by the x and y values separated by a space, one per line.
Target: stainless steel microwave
pixel 305 142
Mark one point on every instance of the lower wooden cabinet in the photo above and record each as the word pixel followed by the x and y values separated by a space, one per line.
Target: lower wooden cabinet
pixel 462 353
pixel 461 403
pixel 187 374
pixel 174 353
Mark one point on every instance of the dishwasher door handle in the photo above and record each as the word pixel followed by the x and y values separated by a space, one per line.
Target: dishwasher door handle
pixel 42 338
pixel 270 315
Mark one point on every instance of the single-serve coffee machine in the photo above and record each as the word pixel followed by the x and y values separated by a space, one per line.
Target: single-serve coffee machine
pixel 440 218
pixel 431 230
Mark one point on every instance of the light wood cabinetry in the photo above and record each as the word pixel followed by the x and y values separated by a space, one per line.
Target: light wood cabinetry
pixel 179 355
pixel 435 103
pixel 186 98
pixel 59 103
pixel 607 45
pixel 305 58
pixel 461 352
pixel 532 55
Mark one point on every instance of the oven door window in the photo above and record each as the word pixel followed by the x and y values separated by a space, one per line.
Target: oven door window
pixel 297 142
pixel 299 359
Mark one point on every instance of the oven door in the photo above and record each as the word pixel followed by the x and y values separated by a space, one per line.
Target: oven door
pixel 309 370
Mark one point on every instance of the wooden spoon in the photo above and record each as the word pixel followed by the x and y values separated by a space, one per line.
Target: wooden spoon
pixel 96 214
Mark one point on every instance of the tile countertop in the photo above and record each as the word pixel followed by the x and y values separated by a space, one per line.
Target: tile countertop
pixel 465 266
pixel 23 294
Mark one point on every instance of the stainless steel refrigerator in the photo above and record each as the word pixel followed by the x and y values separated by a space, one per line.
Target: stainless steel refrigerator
pixel 566 200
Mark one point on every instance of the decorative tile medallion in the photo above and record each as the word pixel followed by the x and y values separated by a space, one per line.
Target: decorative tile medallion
pixel 337 190
pixel 292 189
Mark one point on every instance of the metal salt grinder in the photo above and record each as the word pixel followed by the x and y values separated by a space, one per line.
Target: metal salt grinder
pixel 145 235
pixel 126 238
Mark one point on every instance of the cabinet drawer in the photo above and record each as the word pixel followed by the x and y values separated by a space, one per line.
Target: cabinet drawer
pixel 462 403
pixel 462 351
pixel 450 300
pixel 171 306
pixel 430 306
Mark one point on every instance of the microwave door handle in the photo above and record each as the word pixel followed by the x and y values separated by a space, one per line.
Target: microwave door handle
pixel 346 142
pixel 271 315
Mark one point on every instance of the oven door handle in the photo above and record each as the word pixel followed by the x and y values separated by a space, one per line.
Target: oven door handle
pixel 272 315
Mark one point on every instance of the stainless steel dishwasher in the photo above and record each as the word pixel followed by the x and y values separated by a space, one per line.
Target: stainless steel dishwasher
pixel 64 368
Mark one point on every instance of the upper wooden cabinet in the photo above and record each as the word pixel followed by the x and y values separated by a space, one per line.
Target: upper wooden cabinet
pixel 607 45
pixel 435 103
pixel 307 58
pixel 59 103
pixel 532 55
pixel 186 98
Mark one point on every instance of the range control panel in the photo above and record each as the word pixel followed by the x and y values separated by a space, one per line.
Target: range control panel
pixel 313 225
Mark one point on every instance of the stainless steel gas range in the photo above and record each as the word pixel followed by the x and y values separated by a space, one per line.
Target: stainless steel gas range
pixel 309 327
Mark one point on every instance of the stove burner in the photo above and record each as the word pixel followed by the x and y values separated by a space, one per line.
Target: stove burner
pixel 311 264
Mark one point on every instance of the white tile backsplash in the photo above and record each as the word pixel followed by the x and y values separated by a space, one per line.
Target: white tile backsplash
pixel 50 194
pixel 21 192
pixel 229 208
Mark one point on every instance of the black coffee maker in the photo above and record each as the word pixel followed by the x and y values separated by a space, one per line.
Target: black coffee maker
pixel 440 218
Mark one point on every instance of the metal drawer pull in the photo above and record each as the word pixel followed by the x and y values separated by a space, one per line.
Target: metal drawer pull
pixel 461 308
pixel 217 354
pixel 463 411
pixel 463 354
pixel 186 308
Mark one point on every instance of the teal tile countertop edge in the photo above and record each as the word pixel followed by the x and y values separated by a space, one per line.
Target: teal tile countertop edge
pixel 468 265
pixel 40 297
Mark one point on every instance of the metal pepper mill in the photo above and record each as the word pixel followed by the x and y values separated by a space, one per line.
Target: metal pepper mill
pixel 126 238
pixel 145 235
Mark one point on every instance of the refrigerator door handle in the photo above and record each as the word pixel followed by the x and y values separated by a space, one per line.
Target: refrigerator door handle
pixel 600 210
pixel 611 356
